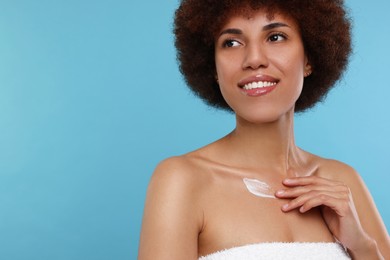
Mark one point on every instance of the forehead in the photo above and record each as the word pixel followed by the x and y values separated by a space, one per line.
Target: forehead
pixel 262 16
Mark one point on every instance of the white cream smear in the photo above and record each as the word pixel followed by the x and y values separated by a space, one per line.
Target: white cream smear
pixel 259 188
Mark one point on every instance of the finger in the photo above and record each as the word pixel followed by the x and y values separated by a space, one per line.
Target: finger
pixel 339 206
pixel 314 180
pixel 301 200
pixel 300 190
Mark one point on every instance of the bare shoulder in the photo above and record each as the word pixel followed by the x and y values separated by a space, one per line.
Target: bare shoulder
pixel 338 171
pixel 173 167
pixel 176 182
pixel 180 171
pixel 344 174
pixel 173 214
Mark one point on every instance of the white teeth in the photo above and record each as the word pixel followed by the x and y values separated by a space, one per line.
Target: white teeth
pixel 260 84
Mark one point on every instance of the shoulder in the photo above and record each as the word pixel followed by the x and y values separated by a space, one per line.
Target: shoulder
pixel 177 184
pixel 338 171
pixel 344 174
pixel 173 215
pixel 174 165
pixel 178 171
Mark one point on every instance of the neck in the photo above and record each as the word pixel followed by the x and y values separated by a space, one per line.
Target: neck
pixel 267 145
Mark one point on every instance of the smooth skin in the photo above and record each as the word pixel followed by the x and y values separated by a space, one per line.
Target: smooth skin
pixel 197 203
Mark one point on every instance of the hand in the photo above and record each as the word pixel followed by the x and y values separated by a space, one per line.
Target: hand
pixel 334 199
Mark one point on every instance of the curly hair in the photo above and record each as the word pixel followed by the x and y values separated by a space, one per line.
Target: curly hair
pixel 325 31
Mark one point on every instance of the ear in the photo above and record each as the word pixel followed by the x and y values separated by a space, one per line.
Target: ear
pixel 308 68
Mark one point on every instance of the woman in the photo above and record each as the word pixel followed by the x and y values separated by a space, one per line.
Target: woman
pixel 263 60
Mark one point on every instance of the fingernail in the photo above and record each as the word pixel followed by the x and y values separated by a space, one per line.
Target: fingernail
pixel 288 181
pixel 285 207
pixel 280 192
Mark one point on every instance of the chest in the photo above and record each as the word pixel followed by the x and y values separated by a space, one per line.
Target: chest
pixel 235 217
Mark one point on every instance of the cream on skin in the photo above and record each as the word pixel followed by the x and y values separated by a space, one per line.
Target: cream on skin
pixel 259 188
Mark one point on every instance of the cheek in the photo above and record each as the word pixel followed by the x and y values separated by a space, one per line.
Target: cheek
pixel 225 74
pixel 291 66
pixel 226 70
pixel 228 63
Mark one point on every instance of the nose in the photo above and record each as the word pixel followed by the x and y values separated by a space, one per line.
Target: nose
pixel 255 57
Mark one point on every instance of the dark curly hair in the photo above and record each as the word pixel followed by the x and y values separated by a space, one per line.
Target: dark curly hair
pixel 324 27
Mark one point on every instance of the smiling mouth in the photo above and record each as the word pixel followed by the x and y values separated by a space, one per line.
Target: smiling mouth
pixel 258 88
pixel 259 84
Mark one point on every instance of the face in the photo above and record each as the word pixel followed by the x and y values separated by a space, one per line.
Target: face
pixel 260 64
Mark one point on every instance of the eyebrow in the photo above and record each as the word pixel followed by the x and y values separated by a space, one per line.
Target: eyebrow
pixel 267 27
pixel 273 26
pixel 231 31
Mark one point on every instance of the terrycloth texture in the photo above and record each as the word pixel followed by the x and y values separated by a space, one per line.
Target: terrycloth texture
pixel 285 251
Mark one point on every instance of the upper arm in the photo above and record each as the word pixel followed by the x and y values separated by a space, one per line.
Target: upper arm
pixel 369 216
pixel 172 217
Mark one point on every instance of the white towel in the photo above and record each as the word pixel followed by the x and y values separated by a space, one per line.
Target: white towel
pixel 280 250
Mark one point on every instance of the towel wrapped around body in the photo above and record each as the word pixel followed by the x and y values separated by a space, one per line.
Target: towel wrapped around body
pixel 281 250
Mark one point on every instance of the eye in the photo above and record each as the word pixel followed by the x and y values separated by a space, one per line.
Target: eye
pixel 276 37
pixel 229 43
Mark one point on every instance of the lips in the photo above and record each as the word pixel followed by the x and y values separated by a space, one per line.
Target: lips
pixel 258 85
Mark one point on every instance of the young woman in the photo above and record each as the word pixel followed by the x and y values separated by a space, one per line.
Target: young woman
pixel 254 194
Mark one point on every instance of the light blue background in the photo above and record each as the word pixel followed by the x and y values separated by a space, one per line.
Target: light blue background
pixel 91 100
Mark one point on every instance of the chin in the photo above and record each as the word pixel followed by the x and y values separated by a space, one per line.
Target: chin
pixel 264 116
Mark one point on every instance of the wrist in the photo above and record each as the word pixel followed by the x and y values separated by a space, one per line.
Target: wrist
pixel 368 249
